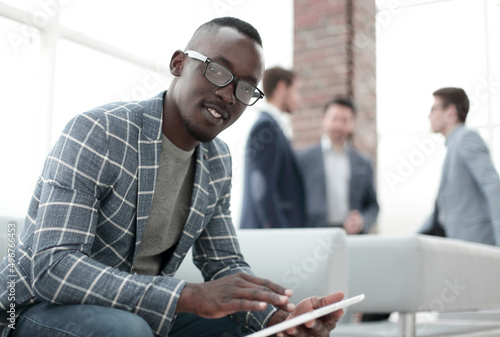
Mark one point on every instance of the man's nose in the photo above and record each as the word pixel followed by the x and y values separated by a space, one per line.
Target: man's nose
pixel 226 93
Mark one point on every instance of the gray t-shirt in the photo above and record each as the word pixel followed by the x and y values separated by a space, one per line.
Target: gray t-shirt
pixel 169 210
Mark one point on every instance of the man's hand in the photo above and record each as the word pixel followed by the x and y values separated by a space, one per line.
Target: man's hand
pixel 317 327
pixel 227 295
pixel 354 223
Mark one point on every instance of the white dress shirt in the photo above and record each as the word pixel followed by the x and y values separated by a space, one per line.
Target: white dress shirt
pixel 337 175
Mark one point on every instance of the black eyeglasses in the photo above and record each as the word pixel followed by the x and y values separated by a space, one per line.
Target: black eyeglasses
pixel 220 76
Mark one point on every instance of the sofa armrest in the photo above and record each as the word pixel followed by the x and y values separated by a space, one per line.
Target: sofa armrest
pixel 422 273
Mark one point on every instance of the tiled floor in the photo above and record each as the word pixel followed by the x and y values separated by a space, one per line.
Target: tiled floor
pixel 436 329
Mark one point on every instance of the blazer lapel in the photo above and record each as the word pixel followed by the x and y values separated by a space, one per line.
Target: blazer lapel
pixel 199 196
pixel 316 198
pixel 352 164
pixel 356 179
pixel 444 173
pixel 320 173
pixel 148 161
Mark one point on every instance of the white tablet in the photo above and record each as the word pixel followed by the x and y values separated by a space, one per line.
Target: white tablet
pixel 308 316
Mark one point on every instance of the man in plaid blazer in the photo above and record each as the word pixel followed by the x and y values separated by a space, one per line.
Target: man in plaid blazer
pixel 78 270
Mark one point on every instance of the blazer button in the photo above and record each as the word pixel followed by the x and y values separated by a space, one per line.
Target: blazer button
pixel 206 156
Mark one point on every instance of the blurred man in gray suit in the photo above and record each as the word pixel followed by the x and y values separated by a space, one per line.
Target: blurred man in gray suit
pixel 338 179
pixel 468 201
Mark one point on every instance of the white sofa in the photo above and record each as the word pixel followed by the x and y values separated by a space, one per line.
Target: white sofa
pixel 309 261
pixel 404 274
pixel 418 273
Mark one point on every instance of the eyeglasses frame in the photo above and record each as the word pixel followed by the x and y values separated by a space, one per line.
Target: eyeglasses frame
pixel 200 57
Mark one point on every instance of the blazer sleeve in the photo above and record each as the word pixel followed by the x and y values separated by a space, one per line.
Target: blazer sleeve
pixel 476 156
pixel 262 170
pixel 73 182
pixel 217 253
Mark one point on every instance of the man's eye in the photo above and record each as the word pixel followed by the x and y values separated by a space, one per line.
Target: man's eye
pixel 215 70
pixel 246 89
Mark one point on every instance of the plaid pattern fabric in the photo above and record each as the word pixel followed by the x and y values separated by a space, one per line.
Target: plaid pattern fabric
pixel 89 211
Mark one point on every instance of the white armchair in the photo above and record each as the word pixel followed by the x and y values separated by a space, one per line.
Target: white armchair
pixel 419 273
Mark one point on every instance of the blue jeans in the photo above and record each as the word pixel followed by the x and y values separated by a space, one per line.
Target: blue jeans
pixel 48 320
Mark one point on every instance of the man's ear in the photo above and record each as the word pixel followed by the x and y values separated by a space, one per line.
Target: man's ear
pixel 177 62
pixel 279 91
pixel 281 86
pixel 451 112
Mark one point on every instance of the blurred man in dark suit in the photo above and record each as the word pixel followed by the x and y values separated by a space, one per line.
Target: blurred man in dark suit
pixel 274 189
pixel 338 179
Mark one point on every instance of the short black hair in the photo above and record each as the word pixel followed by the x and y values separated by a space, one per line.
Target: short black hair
pixel 214 25
pixel 457 97
pixel 273 76
pixel 343 101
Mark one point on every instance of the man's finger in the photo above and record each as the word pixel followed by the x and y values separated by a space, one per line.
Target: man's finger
pixel 268 284
pixel 319 302
pixel 264 295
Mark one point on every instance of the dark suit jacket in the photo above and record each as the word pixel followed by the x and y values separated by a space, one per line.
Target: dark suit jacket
pixel 274 190
pixel 362 195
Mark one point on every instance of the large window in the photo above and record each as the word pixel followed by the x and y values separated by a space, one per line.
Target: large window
pixel 422 46
pixel 63 57
pixel 19 119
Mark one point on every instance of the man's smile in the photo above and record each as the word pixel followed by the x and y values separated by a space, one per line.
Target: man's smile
pixel 214 113
pixel 219 114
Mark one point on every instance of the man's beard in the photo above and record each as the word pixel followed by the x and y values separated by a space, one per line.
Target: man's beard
pixel 195 132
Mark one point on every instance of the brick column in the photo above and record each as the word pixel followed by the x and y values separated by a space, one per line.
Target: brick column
pixel 334 54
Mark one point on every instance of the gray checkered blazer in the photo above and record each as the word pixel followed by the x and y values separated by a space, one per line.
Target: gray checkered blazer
pixel 89 211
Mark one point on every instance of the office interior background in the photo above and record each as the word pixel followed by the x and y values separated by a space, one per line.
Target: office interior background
pixel 63 57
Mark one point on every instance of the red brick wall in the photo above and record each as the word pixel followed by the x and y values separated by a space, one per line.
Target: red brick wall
pixel 334 54
pixel 363 80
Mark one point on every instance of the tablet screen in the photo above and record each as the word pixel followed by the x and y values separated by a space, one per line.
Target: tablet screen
pixel 285 325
